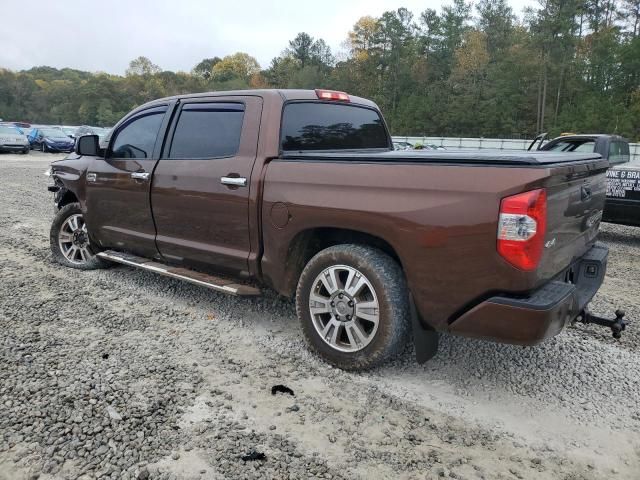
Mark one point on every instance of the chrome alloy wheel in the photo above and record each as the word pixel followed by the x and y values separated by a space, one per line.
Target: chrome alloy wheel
pixel 344 308
pixel 74 240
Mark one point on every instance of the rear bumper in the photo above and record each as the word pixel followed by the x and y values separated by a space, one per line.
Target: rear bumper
pixel 622 211
pixel 530 320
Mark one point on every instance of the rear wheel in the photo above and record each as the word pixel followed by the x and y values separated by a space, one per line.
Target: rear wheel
pixel 69 240
pixel 25 151
pixel 352 302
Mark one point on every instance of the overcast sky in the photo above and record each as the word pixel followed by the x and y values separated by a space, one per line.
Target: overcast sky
pixel 176 35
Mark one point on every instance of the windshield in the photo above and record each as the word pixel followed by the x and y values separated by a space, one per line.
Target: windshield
pixel 9 130
pixel 69 130
pixel 52 132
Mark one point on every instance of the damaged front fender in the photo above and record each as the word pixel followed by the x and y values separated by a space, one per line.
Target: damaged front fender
pixel 69 183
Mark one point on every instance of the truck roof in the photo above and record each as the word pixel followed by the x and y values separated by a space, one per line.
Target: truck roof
pixel 590 135
pixel 281 94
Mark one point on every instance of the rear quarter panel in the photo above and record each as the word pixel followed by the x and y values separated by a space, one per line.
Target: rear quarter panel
pixel 440 219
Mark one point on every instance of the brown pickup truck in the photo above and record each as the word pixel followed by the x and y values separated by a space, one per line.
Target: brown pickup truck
pixel 301 191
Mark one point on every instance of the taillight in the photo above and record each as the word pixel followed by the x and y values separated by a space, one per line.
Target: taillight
pixel 332 95
pixel 521 228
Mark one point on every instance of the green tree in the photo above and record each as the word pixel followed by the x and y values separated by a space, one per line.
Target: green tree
pixel 142 66
pixel 240 66
pixel 204 69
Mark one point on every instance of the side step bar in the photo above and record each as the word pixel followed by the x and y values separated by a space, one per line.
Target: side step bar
pixel 219 284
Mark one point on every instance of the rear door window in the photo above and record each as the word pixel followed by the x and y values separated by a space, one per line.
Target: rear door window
pixel 207 130
pixel 331 126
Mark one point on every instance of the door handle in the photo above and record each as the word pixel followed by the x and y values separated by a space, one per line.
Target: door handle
pixel 140 175
pixel 234 181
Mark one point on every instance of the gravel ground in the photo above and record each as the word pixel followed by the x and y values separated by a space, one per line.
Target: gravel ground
pixel 122 374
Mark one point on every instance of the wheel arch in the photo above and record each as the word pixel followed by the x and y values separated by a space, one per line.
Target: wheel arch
pixel 308 243
pixel 64 197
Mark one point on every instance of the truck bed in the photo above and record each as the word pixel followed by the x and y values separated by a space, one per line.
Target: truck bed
pixel 437 211
pixel 484 157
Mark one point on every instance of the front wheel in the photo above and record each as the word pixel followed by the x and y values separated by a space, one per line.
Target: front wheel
pixel 352 302
pixel 69 240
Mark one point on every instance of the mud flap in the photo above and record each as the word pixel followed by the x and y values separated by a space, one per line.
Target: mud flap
pixel 425 340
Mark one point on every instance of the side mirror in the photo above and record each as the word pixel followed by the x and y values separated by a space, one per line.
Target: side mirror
pixel 87 145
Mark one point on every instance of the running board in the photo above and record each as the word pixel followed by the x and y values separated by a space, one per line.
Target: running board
pixel 219 284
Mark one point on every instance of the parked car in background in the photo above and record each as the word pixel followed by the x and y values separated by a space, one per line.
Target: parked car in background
pixel 50 139
pixel 13 140
pixel 622 204
pixel 402 146
pixel 427 146
pixel 86 130
pixel 70 131
pixel 612 147
pixel 22 125
pixel 623 194
pixel 433 146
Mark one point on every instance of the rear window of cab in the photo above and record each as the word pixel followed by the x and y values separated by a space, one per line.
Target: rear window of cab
pixel 331 126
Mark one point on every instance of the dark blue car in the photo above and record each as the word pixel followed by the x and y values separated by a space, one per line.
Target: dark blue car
pixel 50 140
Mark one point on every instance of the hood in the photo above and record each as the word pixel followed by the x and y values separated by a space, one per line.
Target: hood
pixel 62 138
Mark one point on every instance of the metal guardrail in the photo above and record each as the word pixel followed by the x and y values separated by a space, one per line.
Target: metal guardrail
pixel 492 143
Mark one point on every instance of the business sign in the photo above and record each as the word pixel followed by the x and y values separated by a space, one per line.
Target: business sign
pixel 623 183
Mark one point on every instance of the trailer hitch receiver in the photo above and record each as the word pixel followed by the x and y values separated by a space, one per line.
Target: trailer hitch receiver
pixel 617 325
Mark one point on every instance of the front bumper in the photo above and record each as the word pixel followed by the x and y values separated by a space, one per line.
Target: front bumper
pixel 13 148
pixel 59 148
pixel 528 320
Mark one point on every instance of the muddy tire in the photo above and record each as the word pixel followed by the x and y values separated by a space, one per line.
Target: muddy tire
pixel 353 305
pixel 70 244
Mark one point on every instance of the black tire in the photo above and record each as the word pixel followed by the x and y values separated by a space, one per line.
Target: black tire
pixel 387 279
pixel 92 262
pixel 26 151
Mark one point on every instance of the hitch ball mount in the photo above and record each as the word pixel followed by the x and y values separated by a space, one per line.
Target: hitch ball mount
pixel 617 325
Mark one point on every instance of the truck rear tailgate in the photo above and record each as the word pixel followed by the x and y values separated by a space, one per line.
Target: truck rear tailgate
pixel 575 201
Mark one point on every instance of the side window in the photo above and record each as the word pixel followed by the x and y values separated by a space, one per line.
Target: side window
pixel 618 153
pixel 586 147
pixel 138 137
pixel 557 147
pixel 207 130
